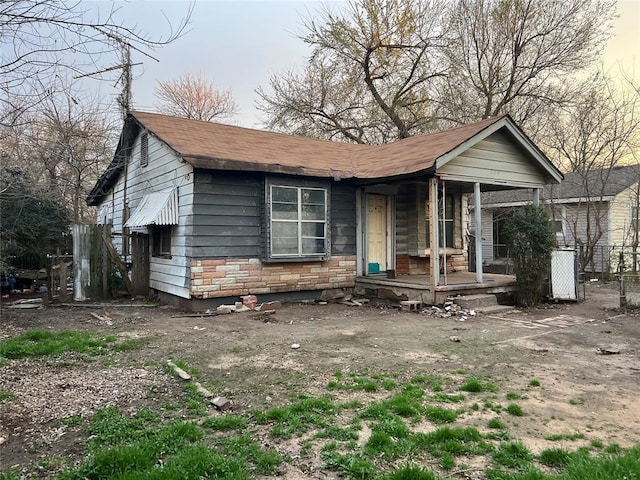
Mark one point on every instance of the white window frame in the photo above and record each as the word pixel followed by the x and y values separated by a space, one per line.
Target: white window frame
pixel 299 221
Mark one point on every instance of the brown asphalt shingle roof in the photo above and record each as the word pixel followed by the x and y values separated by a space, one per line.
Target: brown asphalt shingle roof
pixel 216 146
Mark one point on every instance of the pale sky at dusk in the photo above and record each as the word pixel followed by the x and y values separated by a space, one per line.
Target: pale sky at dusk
pixel 239 44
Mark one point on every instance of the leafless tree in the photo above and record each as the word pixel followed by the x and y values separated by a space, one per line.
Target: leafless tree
pixel 62 150
pixel 44 41
pixel 591 136
pixel 369 77
pixel 383 69
pixel 520 56
pixel 193 96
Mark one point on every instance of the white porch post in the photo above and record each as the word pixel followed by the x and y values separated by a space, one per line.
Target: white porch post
pixel 478 213
pixel 434 237
pixel 536 196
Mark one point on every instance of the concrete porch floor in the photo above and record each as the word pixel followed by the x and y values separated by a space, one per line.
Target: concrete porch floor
pixel 418 287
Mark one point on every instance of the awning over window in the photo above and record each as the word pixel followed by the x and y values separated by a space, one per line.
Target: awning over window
pixel 158 208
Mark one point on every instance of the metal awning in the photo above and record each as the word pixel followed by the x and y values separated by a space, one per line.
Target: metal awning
pixel 158 208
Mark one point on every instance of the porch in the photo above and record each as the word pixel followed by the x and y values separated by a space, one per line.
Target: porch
pixel 419 287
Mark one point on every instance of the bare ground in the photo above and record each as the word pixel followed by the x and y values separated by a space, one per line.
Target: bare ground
pixel 248 358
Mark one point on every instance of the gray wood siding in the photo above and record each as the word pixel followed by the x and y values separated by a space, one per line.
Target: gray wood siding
pixel 227 215
pixel 494 159
pixel 165 170
pixel 342 218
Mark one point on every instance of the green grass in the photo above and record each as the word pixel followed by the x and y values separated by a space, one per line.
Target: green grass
pixel 564 436
pixel 555 457
pixel 140 446
pixel 6 395
pixel 477 385
pixel 512 455
pixel 534 383
pixel 39 343
pixel 577 401
pixel 441 415
pixel 410 472
pixel 513 396
pixel 299 417
pixel 496 423
pixel 226 422
pixel 515 410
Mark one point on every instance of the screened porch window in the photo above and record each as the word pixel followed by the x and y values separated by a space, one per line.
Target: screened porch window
pixel 298 221
pixel 446 233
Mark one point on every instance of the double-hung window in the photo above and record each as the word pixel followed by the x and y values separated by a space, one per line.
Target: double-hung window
pixel 298 221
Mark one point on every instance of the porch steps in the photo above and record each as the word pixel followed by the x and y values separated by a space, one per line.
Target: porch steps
pixel 481 302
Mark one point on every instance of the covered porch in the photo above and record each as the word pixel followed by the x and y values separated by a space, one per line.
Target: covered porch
pixel 420 287
pixel 414 239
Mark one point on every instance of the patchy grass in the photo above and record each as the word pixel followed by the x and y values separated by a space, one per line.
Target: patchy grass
pixel 39 343
pixel 6 395
pixel 564 436
pixel 476 385
pixel 515 410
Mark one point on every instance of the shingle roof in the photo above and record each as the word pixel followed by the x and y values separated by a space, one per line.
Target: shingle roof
pixel 599 183
pixel 209 145
pixel 217 146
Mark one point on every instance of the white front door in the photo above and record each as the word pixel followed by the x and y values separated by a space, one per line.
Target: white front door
pixel 377 233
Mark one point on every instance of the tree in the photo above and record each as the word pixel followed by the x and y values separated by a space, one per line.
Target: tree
pixel 32 224
pixel 370 76
pixel 530 240
pixel 61 150
pixel 193 96
pixel 384 69
pixel 598 131
pixel 44 41
pixel 516 55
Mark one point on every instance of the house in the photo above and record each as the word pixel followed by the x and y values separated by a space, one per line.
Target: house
pixel 596 212
pixel 216 211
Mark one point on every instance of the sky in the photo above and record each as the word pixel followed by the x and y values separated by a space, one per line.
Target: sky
pixel 240 44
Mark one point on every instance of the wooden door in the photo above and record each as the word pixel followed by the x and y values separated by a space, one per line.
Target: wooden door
pixel 140 254
pixel 376 233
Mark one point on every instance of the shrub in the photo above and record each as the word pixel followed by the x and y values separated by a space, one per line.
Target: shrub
pixel 530 240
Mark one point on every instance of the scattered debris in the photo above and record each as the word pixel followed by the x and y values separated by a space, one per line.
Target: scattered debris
pixel 249 301
pixel 2 440
pixel 453 338
pixel 221 403
pixel 180 372
pixel 103 318
pixel 199 328
pixel 203 390
pixel 608 351
pixel 27 303
pixel 411 305
pixel 275 305
pixel 295 346
pixel 449 309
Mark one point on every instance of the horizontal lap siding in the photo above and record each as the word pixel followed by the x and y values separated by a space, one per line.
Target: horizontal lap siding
pixel 164 171
pixel 343 219
pixel 495 158
pixel 227 215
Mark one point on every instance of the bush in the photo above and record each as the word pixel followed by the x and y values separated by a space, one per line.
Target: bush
pixel 530 240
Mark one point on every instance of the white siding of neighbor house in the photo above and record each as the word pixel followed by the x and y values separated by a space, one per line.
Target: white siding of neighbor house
pixel 620 216
pixel 165 170
pixel 493 160
pixel 575 223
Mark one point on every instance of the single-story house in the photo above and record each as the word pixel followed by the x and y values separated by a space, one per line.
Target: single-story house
pixel 218 211
pixel 595 212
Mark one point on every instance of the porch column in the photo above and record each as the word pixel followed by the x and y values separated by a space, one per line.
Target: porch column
pixel 478 213
pixel 434 244
pixel 536 196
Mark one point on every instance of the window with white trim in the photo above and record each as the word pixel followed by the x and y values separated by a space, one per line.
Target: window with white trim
pixel 298 217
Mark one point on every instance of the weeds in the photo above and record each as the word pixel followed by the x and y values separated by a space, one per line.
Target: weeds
pixel 39 343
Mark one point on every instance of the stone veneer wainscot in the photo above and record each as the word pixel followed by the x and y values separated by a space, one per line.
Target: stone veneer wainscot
pixel 240 276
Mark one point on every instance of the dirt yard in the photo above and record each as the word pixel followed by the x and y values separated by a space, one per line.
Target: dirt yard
pixel 248 357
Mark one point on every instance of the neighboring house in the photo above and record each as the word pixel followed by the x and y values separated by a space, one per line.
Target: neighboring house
pixel 218 211
pixel 596 212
